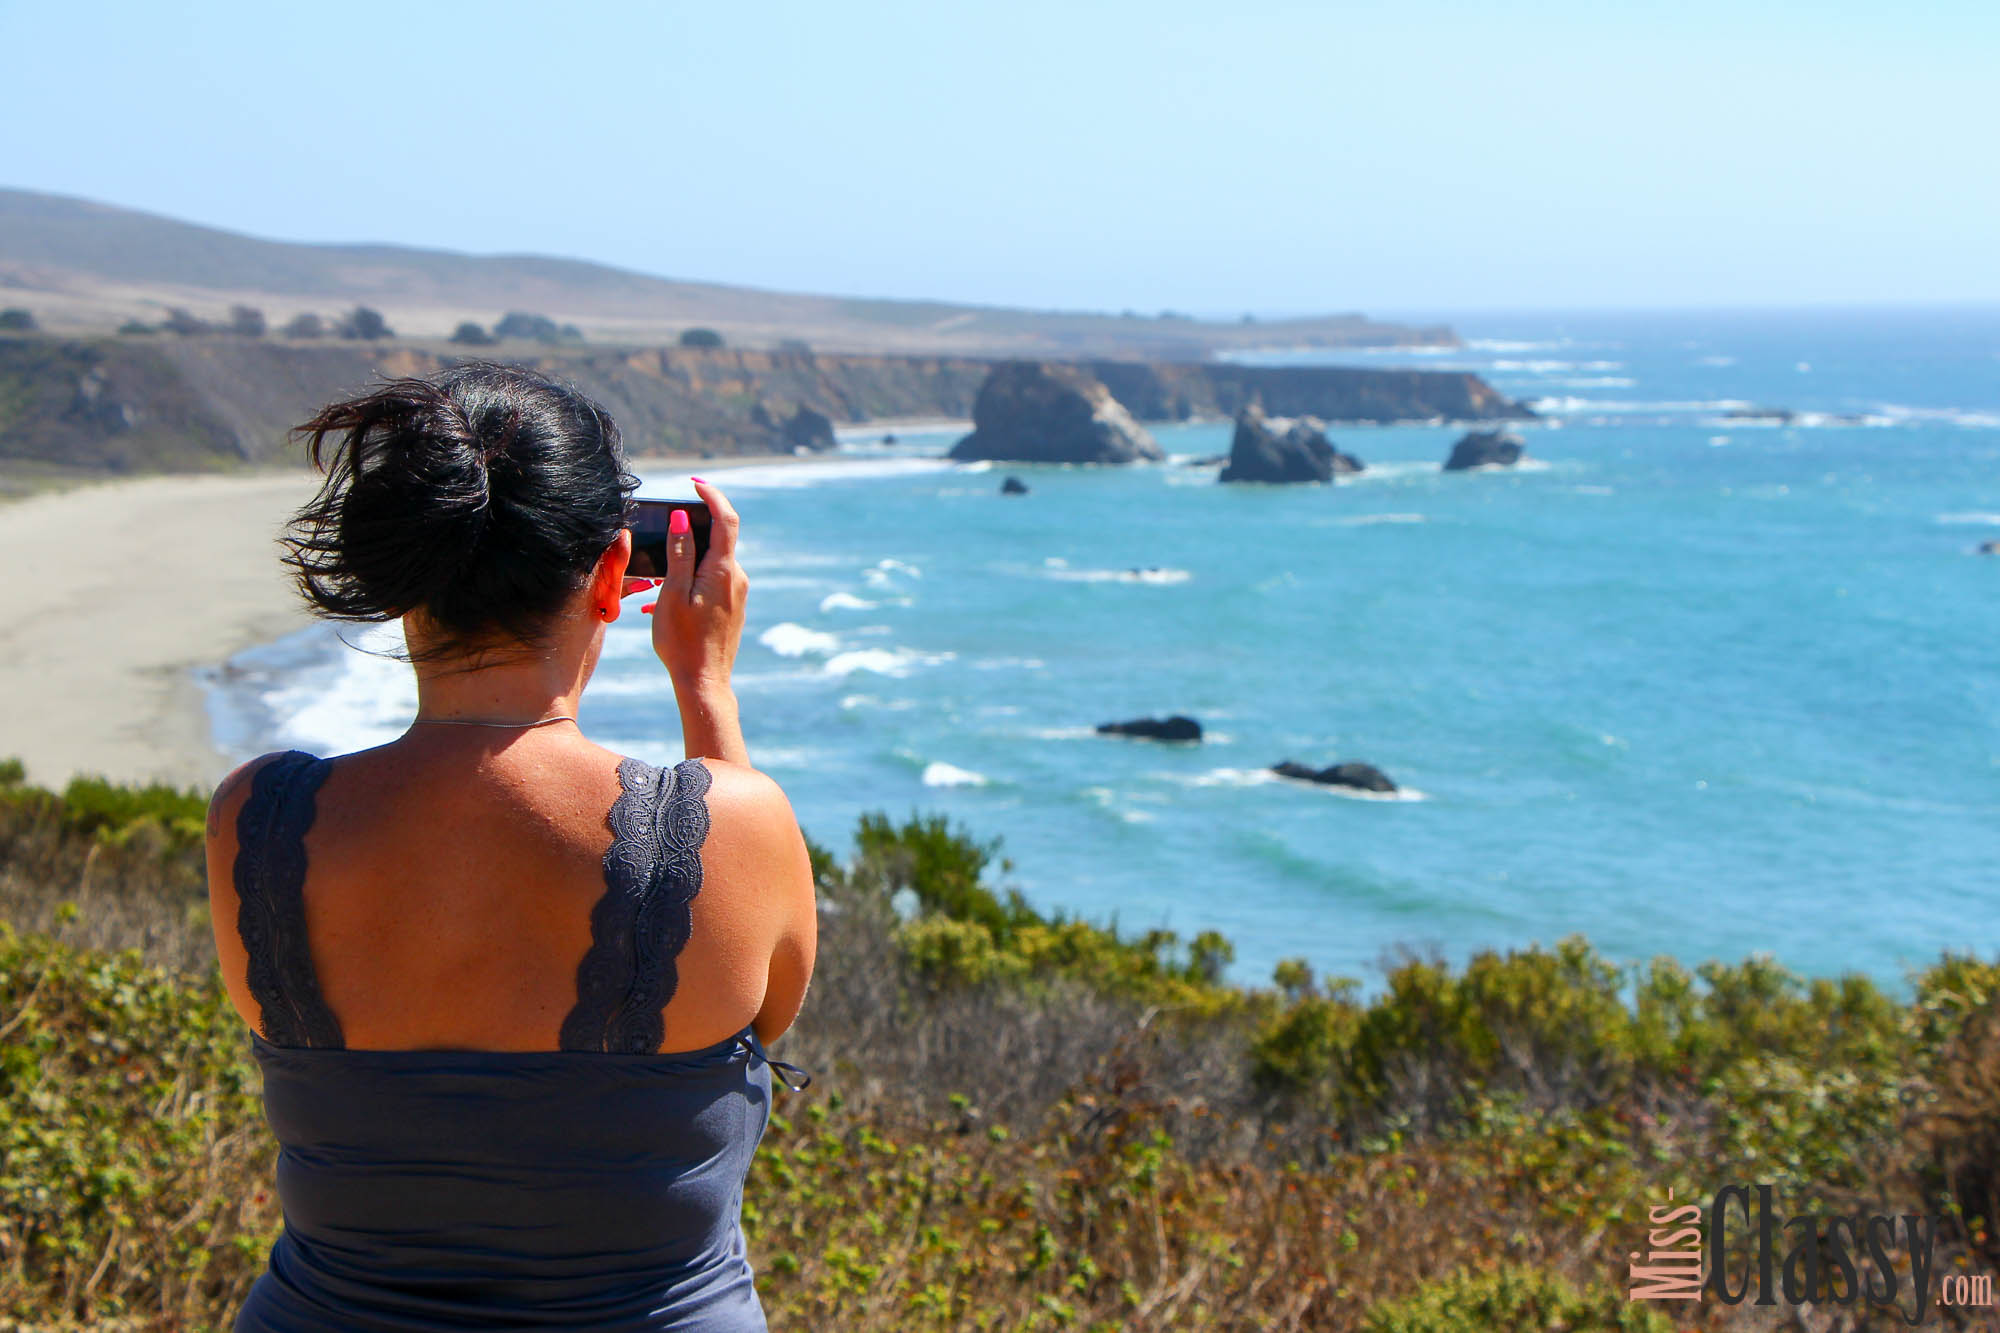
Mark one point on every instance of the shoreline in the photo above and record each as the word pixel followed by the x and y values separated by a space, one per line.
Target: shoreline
pixel 123 598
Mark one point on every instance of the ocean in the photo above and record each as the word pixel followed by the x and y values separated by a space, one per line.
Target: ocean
pixel 1690 683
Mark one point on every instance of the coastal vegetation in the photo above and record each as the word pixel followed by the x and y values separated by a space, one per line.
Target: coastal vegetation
pixel 1026 1121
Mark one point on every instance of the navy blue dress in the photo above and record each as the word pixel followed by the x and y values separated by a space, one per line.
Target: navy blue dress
pixel 599 1186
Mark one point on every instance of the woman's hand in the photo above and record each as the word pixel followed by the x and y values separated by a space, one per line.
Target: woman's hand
pixel 698 625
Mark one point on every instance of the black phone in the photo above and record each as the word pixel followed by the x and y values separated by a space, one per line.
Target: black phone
pixel 649 535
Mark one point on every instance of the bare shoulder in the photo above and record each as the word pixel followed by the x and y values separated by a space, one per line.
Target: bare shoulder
pixel 746 796
pixel 227 802
pixel 753 832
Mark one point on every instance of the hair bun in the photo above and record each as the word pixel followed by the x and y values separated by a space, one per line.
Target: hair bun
pixel 483 496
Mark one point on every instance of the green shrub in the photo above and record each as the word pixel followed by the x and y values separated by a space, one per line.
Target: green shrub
pixel 1512 1299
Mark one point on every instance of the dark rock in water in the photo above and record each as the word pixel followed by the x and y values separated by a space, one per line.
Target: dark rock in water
pixel 888 437
pixel 1175 728
pixel 1013 486
pixel 1213 460
pixel 804 431
pixel 1277 450
pixel 1784 416
pixel 1365 777
pixel 1989 548
pixel 1046 412
pixel 1486 448
pixel 808 429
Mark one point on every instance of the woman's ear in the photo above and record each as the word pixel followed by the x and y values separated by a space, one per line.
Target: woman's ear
pixel 607 581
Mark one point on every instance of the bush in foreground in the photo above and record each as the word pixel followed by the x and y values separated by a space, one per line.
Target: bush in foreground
pixel 1026 1122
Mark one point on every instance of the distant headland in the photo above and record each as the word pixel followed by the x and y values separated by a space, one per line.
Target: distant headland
pixel 135 343
pixel 84 267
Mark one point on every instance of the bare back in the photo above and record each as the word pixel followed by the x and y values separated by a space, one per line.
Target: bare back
pixel 451 882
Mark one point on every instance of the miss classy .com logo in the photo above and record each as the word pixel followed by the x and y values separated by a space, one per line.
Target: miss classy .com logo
pixel 1741 1246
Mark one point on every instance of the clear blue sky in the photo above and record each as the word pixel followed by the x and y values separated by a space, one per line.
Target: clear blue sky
pixel 1138 153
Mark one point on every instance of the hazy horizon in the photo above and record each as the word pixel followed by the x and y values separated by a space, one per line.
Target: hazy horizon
pixel 1430 161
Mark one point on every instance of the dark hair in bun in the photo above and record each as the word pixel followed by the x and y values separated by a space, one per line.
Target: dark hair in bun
pixel 483 495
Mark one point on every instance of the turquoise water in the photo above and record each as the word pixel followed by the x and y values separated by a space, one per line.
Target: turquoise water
pixel 1689 685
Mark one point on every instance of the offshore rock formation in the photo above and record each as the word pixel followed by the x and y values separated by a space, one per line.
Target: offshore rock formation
pixel 1486 448
pixel 804 431
pixel 1179 727
pixel 1280 451
pixel 1363 777
pixel 1013 486
pixel 1050 412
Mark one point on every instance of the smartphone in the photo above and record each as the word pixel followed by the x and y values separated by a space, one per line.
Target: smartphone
pixel 649 535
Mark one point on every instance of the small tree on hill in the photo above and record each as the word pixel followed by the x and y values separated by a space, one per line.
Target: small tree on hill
pixel 186 323
pixel 138 328
pixel 470 334
pixel 519 324
pixel 16 320
pixel 246 321
pixel 700 338
pixel 305 324
pixel 365 324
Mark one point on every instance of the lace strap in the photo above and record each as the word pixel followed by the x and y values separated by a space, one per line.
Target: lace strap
pixel 270 876
pixel 652 873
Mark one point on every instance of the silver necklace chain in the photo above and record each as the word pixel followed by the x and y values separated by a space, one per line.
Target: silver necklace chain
pixel 474 722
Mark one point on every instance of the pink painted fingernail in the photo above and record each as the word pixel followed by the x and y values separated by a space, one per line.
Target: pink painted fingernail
pixel 702 480
pixel 678 525
pixel 647 609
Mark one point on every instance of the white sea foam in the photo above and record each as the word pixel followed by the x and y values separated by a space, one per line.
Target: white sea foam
pixel 1055 562
pixel 1379 472
pixel 1226 777
pixel 844 601
pixel 1571 405
pixel 1370 520
pixel 1975 418
pixel 1063 733
pixel 1357 794
pixel 1715 361
pixel 794 476
pixel 1156 574
pixel 1510 345
pixel 939 774
pixel 1556 367
pixel 882 661
pixel 1980 519
pixel 791 640
pixel 855 702
pixel 884 573
pixel 322 689
pixel 1009 663
pixel 1109 799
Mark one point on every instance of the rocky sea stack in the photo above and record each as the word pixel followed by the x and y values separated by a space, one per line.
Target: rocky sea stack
pixel 1045 412
pixel 1013 486
pixel 1362 777
pixel 1176 728
pixel 803 431
pixel 1281 450
pixel 1486 448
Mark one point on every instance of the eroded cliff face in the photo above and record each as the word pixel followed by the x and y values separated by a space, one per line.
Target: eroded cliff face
pixel 1178 391
pixel 160 403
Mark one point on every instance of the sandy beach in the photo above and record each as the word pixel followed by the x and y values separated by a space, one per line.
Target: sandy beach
pixel 115 595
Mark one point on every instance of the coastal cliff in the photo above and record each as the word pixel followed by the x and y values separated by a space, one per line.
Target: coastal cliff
pixel 138 404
